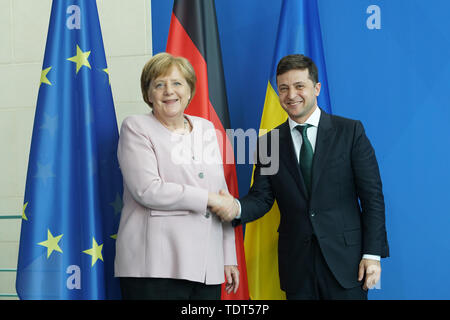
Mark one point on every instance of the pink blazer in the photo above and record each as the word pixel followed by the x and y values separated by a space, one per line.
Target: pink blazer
pixel 165 229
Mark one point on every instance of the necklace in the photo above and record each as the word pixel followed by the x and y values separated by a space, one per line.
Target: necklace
pixel 187 141
pixel 187 126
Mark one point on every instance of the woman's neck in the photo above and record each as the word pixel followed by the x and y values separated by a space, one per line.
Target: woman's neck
pixel 178 125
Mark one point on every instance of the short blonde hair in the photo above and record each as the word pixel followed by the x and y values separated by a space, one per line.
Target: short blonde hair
pixel 159 65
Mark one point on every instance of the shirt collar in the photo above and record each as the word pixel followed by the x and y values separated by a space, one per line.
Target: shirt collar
pixel 312 120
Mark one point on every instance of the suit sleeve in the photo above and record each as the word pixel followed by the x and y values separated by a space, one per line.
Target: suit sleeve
pixel 260 198
pixel 369 190
pixel 139 167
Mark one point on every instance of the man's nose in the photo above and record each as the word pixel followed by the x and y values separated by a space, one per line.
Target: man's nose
pixel 292 93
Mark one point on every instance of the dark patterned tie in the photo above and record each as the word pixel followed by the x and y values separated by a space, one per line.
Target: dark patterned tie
pixel 306 157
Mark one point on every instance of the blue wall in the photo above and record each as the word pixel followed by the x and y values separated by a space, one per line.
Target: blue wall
pixel 396 81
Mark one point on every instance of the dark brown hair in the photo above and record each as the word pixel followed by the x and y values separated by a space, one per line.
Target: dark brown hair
pixel 298 62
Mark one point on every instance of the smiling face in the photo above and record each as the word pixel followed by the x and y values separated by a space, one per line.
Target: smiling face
pixel 298 94
pixel 169 94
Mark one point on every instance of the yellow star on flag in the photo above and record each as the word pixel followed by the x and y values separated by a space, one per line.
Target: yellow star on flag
pixel 24 216
pixel 95 251
pixel 81 59
pixel 44 78
pixel 107 72
pixel 51 243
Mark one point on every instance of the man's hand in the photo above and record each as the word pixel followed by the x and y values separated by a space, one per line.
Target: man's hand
pixel 223 205
pixel 371 271
pixel 231 278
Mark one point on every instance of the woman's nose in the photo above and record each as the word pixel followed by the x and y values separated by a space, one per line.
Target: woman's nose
pixel 169 89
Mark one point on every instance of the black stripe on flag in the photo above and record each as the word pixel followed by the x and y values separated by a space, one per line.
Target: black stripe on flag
pixel 198 18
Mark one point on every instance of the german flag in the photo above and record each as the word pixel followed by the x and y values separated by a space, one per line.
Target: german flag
pixel 193 34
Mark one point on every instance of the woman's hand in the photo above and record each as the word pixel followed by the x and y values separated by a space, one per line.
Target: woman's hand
pixel 214 200
pixel 223 205
pixel 231 279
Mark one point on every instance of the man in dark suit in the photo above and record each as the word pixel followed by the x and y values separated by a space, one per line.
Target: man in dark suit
pixel 332 230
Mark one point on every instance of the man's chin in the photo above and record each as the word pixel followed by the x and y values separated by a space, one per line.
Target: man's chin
pixel 299 115
pixel 296 116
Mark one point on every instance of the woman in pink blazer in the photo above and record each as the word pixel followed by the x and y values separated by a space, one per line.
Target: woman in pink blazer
pixel 169 244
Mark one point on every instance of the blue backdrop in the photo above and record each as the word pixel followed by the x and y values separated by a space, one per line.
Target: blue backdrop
pixel 395 80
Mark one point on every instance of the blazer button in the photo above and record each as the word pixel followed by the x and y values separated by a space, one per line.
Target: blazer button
pixel 201 175
pixel 207 214
pixel 312 213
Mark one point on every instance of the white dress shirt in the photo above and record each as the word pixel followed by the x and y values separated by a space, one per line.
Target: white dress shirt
pixel 311 132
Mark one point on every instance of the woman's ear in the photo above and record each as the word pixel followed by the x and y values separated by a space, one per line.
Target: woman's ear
pixel 149 96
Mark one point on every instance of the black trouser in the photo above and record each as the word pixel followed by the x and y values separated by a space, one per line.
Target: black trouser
pixel 167 289
pixel 321 283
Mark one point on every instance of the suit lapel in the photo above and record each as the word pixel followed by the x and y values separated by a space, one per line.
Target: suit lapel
pixel 325 135
pixel 288 156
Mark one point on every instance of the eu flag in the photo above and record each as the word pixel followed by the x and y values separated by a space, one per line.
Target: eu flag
pixel 73 190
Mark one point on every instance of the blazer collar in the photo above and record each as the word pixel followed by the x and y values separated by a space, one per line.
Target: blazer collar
pixel 325 134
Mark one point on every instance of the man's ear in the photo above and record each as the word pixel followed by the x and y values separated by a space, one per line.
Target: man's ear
pixel 317 88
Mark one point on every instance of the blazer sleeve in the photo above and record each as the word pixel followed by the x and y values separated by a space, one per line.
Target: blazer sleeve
pixel 139 167
pixel 228 234
pixel 229 245
pixel 260 198
pixel 369 190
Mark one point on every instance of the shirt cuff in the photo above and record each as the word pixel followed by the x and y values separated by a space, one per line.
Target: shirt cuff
pixel 239 205
pixel 371 257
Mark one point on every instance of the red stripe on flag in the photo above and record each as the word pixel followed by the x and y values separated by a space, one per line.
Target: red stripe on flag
pixel 180 44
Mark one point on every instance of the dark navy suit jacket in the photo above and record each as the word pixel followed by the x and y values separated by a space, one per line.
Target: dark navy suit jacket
pixel 345 210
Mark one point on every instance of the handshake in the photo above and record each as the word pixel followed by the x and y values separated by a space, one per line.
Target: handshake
pixel 223 205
